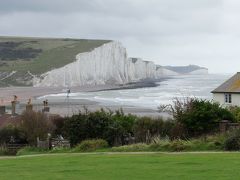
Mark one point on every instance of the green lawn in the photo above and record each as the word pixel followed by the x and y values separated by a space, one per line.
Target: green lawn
pixel 123 166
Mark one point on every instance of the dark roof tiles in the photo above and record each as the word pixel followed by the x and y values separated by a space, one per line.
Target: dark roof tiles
pixel 232 85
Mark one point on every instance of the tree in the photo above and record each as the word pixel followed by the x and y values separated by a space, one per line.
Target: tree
pixel 35 124
pixel 99 125
pixel 197 116
pixel 75 128
pixel 11 133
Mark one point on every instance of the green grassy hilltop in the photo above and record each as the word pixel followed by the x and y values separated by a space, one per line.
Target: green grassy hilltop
pixel 38 55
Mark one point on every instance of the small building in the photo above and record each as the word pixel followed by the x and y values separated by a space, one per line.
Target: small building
pixel 228 94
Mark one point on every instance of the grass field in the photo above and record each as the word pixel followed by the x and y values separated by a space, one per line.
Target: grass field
pixel 123 166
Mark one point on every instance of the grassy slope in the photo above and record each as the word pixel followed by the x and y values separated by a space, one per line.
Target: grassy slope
pixel 55 53
pixel 123 166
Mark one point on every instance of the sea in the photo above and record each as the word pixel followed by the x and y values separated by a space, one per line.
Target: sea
pixel 198 86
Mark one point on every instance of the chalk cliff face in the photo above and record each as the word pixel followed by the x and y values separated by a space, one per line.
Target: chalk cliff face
pixel 107 64
pixel 139 69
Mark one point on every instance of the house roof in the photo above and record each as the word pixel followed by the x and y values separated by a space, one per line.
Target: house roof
pixel 8 119
pixel 232 85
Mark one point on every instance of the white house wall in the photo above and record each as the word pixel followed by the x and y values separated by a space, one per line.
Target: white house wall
pixel 220 98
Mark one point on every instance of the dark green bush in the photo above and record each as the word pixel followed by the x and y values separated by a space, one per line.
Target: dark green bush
pixel 178 131
pixel 91 145
pixel 10 134
pixel 140 147
pixel 35 124
pixel 236 112
pixel 3 151
pixel 232 143
pixel 75 128
pixel 198 116
pixel 31 150
pixel 123 127
pixel 203 117
pixel 154 127
pixel 141 128
pixel 178 145
pixel 58 125
pixel 99 125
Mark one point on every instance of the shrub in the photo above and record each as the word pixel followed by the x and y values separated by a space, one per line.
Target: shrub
pixel 179 145
pixel 232 143
pixel 154 127
pixel 131 148
pixel 12 133
pixel 75 128
pixel 91 145
pixel 35 124
pixel 178 131
pixel 236 112
pixel 198 116
pixel 99 125
pixel 141 128
pixel 201 144
pixel 123 127
pixel 60 150
pixel 58 125
pixel 31 150
pixel 3 151
pixel 160 145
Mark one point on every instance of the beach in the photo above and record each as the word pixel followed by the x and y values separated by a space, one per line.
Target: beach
pixel 67 106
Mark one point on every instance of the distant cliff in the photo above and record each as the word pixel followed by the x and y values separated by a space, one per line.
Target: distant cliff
pixel 71 62
pixel 191 69
pixel 108 64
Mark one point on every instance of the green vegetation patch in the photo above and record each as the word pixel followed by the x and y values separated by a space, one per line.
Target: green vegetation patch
pixel 123 166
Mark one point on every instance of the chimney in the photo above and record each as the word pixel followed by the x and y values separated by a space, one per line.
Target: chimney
pixel 15 105
pixel 13 108
pixel 2 108
pixel 46 108
pixel 29 106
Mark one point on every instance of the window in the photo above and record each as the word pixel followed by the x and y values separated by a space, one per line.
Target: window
pixel 228 98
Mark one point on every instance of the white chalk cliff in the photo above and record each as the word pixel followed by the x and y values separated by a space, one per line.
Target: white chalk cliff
pixel 107 64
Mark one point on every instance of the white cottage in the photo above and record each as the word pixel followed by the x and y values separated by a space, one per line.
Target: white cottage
pixel 228 94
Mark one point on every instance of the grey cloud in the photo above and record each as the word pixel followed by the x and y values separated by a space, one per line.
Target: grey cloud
pixel 178 32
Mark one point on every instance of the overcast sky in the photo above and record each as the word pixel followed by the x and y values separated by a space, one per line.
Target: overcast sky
pixel 168 32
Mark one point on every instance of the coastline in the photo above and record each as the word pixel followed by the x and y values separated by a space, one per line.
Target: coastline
pixel 66 107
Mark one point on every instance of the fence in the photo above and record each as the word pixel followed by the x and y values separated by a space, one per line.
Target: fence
pixel 13 148
pixel 52 143
pixel 60 143
pixel 226 125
